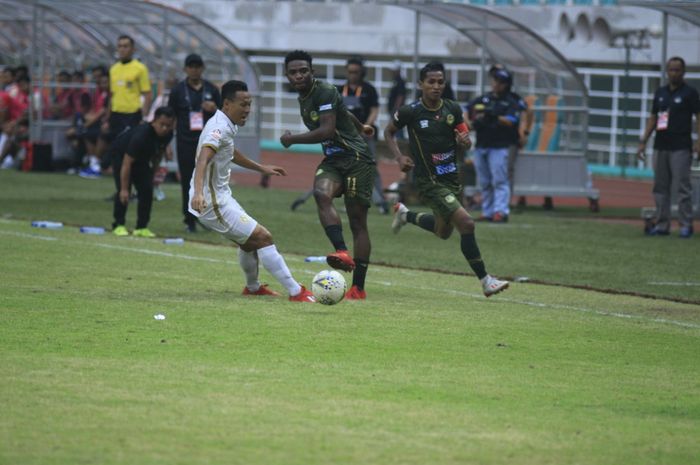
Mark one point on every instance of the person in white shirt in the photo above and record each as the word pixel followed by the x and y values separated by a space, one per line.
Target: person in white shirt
pixel 213 204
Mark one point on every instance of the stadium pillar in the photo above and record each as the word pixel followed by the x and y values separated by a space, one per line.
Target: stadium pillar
pixel 416 51
pixel 625 106
pixel 664 47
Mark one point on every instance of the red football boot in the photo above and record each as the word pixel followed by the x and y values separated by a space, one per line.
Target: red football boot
pixel 356 294
pixel 262 290
pixel 341 260
pixel 304 296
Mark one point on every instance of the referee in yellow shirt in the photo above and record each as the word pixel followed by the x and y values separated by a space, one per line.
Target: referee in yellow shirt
pixel 128 81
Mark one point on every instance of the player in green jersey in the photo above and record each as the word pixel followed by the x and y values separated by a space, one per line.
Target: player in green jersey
pixel 347 168
pixel 435 127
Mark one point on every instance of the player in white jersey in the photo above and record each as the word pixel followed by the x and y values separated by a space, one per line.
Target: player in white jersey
pixel 212 203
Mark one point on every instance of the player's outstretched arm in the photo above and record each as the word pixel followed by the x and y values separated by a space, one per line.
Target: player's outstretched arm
pixel 325 131
pixel 245 162
pixel 405 163
pixel 200 168
pixel 364 129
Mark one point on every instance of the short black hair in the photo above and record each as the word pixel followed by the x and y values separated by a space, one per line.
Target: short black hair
pixel 78 74
pixel 101 68
pixel 164 111
pixel 297 55
pixel 9 69
pixel 355 61
pixel 64 73
pixel 127 37
pixel 24 78
pixel 228 90
pixel 678 59
pixel 431 67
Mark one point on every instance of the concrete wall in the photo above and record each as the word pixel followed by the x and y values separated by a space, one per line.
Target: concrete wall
pixel 341 28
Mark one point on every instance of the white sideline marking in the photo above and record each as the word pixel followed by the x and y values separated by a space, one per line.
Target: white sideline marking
pixel 671 283
pixel 163 254
pixel 383 283
pixel 29 236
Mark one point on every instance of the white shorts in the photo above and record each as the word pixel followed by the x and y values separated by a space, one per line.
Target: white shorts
pixel 229 219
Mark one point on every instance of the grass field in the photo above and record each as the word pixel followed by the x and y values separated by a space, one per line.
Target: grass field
pixel 425 371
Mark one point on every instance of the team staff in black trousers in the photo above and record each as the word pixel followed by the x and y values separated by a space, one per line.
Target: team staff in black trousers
pixel 135 156
pixel 194 100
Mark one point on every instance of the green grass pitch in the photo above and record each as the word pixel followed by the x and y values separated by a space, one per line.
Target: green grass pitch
pixel 426 371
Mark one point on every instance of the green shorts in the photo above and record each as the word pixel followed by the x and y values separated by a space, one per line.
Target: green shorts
pixel 356 176
pixel 442 199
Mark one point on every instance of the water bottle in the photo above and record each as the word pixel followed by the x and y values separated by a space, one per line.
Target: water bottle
pixel 315 259
pixel 47 224
pixel 92 230
pixel 174 240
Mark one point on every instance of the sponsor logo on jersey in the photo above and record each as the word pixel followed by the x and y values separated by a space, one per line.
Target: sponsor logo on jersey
pixel 327 106
pixel 440 157
pixel 450 119
pixel 244 219
pixel 396 116
pixel 314 116
pixel 677 100
pixel 319 171
pixel 216 134
pixel 446 169
pixel 423 123
pixel 449 198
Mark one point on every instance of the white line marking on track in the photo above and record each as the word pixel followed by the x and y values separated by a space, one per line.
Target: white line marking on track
pixel 383 283
pixel 671 283
pixel 29 236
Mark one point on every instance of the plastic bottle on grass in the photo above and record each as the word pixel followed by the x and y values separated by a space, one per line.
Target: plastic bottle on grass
pixel 174 241
pixel 47 224
pixel 92 230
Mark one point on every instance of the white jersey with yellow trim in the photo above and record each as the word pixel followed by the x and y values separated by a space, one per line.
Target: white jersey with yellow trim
pixel 218 134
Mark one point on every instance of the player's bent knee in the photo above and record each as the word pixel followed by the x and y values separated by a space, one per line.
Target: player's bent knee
pixel 444 235
pixel 467 226
pixel 322 197
pixel 260 238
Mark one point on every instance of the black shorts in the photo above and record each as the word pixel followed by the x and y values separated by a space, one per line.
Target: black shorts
pixel 118 122
pixel 356 176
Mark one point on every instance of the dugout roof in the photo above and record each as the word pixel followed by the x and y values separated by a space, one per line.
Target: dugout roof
pixel 79 34
pixel 686 10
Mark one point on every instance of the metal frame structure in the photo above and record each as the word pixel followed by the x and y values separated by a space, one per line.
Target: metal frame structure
pixel 686 10
pixel 50 35
pixel 540 69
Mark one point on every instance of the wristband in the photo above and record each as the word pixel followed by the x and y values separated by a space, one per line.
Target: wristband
pixel 462 128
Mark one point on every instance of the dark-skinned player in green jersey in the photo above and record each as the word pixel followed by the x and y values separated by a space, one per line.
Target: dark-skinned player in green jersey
pixel 435 126
pixel 347 168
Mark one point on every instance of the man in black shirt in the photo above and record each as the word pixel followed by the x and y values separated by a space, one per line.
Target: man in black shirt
pixel 194 100
pixel 397 95
pixel 672 117
pixel 496 117
pixel 135 156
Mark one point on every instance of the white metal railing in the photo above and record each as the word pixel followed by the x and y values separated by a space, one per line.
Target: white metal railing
pixel 279 110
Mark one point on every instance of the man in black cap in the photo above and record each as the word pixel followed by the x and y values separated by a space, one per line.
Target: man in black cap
pixel 194 101
pixel 496 118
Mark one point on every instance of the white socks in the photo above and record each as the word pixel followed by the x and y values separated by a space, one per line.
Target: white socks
pixel 275 265
pixel 94 162
pixel 249 264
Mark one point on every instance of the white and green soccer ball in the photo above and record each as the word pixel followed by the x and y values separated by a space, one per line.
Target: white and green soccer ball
pixel 329 287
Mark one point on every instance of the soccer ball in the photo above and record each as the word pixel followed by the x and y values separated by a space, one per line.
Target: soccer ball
pixel 329 287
